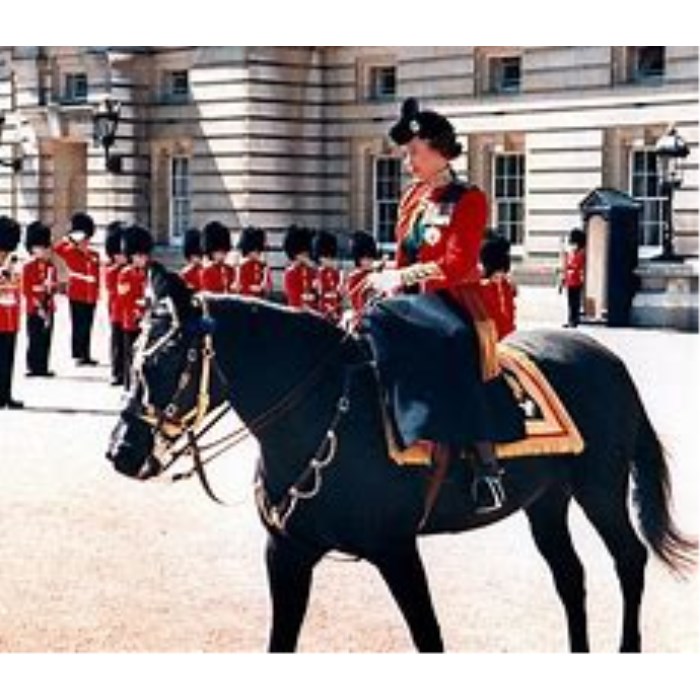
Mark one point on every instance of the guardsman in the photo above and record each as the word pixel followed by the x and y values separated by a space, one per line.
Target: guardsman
pixel 300 275
pixel 497 288
pixel 114 249
pixel 39 286
pixel 575 276
pixel 83 265
pixel 329 278
pixel 218 277
pixel 194 255
pixel 131 287
pixel 10 301
pixel 365 254
pixel 253 277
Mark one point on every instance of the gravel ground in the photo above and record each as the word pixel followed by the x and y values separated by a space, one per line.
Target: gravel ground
pixel 92 563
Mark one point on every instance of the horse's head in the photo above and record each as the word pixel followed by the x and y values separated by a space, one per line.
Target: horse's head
pixel 172 363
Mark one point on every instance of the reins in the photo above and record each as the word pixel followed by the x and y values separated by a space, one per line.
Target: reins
pixel 199 422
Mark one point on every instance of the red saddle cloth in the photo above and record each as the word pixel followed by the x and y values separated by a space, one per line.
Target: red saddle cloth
pixel 550 429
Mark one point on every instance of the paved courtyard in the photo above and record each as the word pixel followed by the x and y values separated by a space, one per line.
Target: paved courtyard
pixel 92 563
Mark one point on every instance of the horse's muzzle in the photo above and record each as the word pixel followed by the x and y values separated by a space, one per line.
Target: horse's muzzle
pixel 130 450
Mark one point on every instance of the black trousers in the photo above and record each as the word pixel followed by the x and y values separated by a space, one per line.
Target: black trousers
pixel 82 319
pixel 8 342
pixel 39 334
pixel 130 338
pixel 575 306
pixel 116 343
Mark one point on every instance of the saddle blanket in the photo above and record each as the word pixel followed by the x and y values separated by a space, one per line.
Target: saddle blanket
pixel 550 429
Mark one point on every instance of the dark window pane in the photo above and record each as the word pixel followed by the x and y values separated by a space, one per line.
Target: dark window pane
pixel 651 61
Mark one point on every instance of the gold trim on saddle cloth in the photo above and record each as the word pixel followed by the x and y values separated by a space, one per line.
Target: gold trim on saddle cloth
pixel 552 433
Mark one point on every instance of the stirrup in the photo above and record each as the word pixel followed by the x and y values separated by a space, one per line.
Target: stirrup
pixel 494 484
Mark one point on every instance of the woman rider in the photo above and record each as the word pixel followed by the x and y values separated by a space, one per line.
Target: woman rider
pixel 435 344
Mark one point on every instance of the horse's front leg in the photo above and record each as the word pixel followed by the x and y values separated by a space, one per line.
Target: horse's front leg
pixel 290 572
pixel 404 573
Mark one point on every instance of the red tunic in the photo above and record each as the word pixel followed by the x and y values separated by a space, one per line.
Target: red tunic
pixel 329 288
pixel 83 271
pixel 455 238
pixel 356 289
pixel 111 283
pixel 39 278
pixel 10 300
pixel 499 295
pixel 300 286
pixel 218 278
pixel 253 279
pixel 445 225
pixel 192 276
pixel 131 288
pixel 575 270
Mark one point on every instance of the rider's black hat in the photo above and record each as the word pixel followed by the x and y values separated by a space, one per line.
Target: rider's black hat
pixel 428 126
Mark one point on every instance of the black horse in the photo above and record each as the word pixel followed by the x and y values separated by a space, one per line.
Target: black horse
pixel 316 402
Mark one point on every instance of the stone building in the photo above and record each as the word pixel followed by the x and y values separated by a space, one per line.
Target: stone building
pixel 276 135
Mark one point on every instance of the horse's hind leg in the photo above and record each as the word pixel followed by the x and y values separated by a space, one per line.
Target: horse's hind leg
pixel 404 573
pixel 549 522
pixel 608 511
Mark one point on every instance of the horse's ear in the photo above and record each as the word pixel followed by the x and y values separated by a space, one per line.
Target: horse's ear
pixel 158 277
pixel 181 296
pixel 167 285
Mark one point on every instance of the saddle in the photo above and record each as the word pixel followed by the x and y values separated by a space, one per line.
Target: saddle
pixel 550 429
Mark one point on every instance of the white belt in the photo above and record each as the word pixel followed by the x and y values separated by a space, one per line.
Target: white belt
pixel 84 278
pixel 8 302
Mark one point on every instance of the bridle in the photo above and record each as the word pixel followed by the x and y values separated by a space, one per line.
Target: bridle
pixel 181 436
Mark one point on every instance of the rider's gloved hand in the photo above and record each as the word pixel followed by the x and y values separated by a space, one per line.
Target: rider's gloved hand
pixel 387 282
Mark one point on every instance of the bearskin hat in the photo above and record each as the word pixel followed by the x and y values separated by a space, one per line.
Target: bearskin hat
pixel 364 246
pixel 38 236
pixel 325 246
pixel 138 241
pixel 114 240
pixel 297 241
pixel 495 255
pixel 578 238
pixel 82 223
pixel 253 240
pixel 427 126
pixel 216 238
pixel 10 234
pixel 192 245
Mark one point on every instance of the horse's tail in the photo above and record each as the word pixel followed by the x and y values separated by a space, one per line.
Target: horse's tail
pixel 653 497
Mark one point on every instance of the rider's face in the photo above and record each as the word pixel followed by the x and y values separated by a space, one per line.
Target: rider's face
pixel 423 161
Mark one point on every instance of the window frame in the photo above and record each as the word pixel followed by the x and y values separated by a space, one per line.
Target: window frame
pixel 373 93
pixel 384 231
pixel 176 199
pixel 70 95
pixel 647 250
pixel 518 246
pixel 169 94
pixel 496 74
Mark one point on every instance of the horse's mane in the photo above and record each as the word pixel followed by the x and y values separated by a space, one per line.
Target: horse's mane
pixel 312 325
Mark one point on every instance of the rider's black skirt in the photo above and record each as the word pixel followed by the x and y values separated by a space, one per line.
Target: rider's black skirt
pixel 427 352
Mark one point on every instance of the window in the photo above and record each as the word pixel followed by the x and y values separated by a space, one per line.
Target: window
pixel 75 88
pixel 176 86
pixel 180 197
pixel 505 74
pixel 387 195
pixel 648 63
pixel 382 83
pixel 646 188
pixel 509 196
